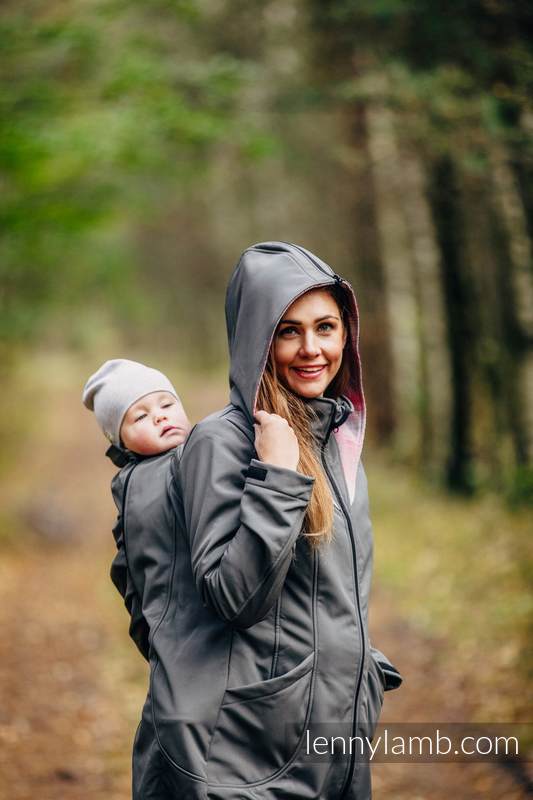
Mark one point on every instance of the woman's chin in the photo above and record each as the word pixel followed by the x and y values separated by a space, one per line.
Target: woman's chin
pixel 308 390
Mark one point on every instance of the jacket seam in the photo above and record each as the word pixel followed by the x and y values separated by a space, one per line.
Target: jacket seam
pixel 170 581
pixel 241 430
pixel 159 744
pixel 290 255
pixel 215 726
pixel 153 669
pixel 128 567
pixel 276 638
pixel 124 528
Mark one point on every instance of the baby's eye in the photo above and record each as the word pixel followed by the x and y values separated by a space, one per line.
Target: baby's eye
pixel 167 405
pixel 141 416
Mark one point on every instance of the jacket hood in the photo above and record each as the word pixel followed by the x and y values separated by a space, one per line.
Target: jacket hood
pixel 268 278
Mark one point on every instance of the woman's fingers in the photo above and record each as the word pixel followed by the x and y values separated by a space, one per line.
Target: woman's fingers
pixel 275 440
pixel 263 417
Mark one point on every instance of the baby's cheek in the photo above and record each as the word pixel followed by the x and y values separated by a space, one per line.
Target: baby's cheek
pixel 183 421
pixel 180 437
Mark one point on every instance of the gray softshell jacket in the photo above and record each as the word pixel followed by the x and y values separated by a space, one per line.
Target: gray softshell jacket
pixel 257 638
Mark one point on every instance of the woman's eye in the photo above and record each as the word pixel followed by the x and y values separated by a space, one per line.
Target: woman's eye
pixel 289 331
pixel 325 326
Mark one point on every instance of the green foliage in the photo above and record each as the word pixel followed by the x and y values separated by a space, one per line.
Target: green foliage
pixel 108 110
pixel 520 487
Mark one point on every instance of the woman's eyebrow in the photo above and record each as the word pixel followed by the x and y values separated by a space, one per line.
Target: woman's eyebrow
pixel 298 322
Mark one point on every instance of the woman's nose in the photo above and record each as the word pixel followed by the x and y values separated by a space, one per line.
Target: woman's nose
pixel 309 345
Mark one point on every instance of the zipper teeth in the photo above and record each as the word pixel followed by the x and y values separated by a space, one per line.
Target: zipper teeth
pixel 359 679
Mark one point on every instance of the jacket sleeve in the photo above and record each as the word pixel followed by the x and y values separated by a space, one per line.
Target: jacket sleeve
pixel 242 518
pixel 391 676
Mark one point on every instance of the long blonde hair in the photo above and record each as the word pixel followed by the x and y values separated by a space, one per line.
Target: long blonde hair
pixel 275 398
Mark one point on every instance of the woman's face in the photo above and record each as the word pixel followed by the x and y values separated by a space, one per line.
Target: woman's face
pixel 308 344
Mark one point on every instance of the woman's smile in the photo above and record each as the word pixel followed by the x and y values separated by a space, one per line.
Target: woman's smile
pixel 310 373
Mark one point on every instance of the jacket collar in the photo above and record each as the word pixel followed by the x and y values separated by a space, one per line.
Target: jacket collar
pixel 120 457
pixel 329 413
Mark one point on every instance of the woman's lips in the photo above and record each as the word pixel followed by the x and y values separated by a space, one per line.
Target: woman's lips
pixel 309 373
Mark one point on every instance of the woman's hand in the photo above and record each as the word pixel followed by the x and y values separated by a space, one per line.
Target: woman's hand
pixel 275 441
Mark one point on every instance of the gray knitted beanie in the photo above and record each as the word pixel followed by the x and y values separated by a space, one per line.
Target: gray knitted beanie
pixel 115 387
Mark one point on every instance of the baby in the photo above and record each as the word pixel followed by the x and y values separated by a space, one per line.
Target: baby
pixel 142 416
pixel 137 407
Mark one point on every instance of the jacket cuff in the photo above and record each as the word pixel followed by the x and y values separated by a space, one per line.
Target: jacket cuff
pixel 391 677
pixel 279 479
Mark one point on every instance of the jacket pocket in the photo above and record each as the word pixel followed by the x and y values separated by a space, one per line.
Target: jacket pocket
pixel 374 698
pixel 260 726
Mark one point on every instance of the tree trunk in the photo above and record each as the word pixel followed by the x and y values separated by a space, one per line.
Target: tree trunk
pixel 458 297
pixel 399 283
pixel 519 312
pixel 375 331
pixel 436 388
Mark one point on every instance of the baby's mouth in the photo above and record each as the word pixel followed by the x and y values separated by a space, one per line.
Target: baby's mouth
pixel 168 429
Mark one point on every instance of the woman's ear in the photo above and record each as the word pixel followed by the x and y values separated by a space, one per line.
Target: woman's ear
pixel 345 334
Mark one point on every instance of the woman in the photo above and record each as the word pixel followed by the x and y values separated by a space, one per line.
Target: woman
pixel 263 643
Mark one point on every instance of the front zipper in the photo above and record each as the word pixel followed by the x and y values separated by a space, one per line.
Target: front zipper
pixel 352 541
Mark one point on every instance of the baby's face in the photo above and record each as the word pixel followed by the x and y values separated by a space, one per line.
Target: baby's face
pixel 154 424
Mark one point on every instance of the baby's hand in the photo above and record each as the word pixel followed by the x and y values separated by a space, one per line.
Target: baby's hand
pixel 275 440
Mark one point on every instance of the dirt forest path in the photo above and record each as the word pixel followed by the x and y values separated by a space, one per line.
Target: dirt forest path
pixel 71 683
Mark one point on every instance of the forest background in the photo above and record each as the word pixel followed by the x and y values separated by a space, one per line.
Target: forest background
pixel 143 146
